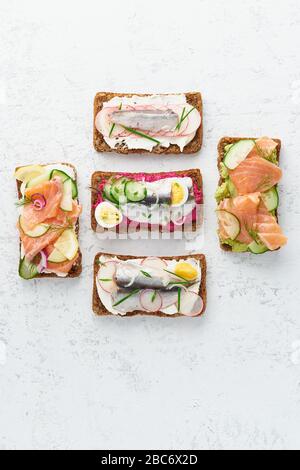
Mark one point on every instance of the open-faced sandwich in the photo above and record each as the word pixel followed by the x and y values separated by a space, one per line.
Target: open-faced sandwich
pixel 247 195
pixel 160 124
pixel 164 201
pixel 169 286
pixel 48 221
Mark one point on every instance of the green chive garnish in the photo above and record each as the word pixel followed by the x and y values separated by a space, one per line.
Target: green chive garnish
pixel 183 117
pixel 179 299
pixel 173 274
pixel 141 134
pixel 154 296
pixel 127 297
pixel 105 280
pixel 146 274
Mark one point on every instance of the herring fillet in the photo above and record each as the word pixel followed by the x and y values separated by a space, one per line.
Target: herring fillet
pixel 156 279
pixel 147 120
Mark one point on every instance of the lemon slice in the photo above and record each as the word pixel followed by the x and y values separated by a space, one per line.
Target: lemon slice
pixel 67 244
pixel 56 257
pixel 26 173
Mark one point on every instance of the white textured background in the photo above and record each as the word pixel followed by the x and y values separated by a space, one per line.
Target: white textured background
pixel 228 380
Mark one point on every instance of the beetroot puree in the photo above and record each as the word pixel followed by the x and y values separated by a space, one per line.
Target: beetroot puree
pixel 150 178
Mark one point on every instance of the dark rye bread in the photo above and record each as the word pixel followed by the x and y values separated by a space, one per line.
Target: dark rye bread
pixel 77 267
pixel 194 99
pixel 98 176
pixel 221 153
pixel 100 310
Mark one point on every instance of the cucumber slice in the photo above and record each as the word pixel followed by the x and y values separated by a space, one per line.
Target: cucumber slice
pixel 107 190
pixel 38 180
pixel 67 199
pixel 257 248
pixel 64 178
pixel 135 191
pixel 118 190
pixel 37 232
pixel 56 257
pixel 237 153
pixel 271 199
pixel 27 270
pixel 230 224
pixel 59 173
pixel 67 244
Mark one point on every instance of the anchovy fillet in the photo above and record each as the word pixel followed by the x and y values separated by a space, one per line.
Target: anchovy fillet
pixel 147 120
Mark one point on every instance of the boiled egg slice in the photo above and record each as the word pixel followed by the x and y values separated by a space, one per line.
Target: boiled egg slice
pixel 186 271
pixel 107 215
pixel 179 193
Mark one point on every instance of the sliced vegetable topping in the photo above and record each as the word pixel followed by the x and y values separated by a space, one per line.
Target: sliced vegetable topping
pixel 118 190
pixel 257 248
pixel 67 199
pixel 38 231
pixel 38 201
pixel 271 199
pixel 229 224
pixel 64 176
pixel 27 270
pixel 135 191
pixel 191 304
pixel 106 276
pixel 237 153
pixel 151 300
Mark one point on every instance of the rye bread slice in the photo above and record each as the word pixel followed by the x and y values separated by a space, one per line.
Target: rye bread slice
pixel 221 153
pixel 100 310
pixel 194 99
pixel 98 176
pixel 77 266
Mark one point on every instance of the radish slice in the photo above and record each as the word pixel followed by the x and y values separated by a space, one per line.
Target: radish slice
pixel 106 276
pixel 156 263
pixel 191 304
pixel 151 300
pixel 169 298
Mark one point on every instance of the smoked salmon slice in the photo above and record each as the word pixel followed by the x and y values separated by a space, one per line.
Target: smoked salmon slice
pixel 255 221
pixel 52 191
pixel 245 210
pixel 32 246
pixel 59 268
pixel 255 174
pixel 268 230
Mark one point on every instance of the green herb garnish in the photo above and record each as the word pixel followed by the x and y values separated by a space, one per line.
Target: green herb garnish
pixel 23 202
pixel 153 296
pixel 136 291
pixel 113 125
pixel 146 274
pixel 179 299
pixel 105 280
pixel 182 118
pixel 141 134
pixel 173 274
